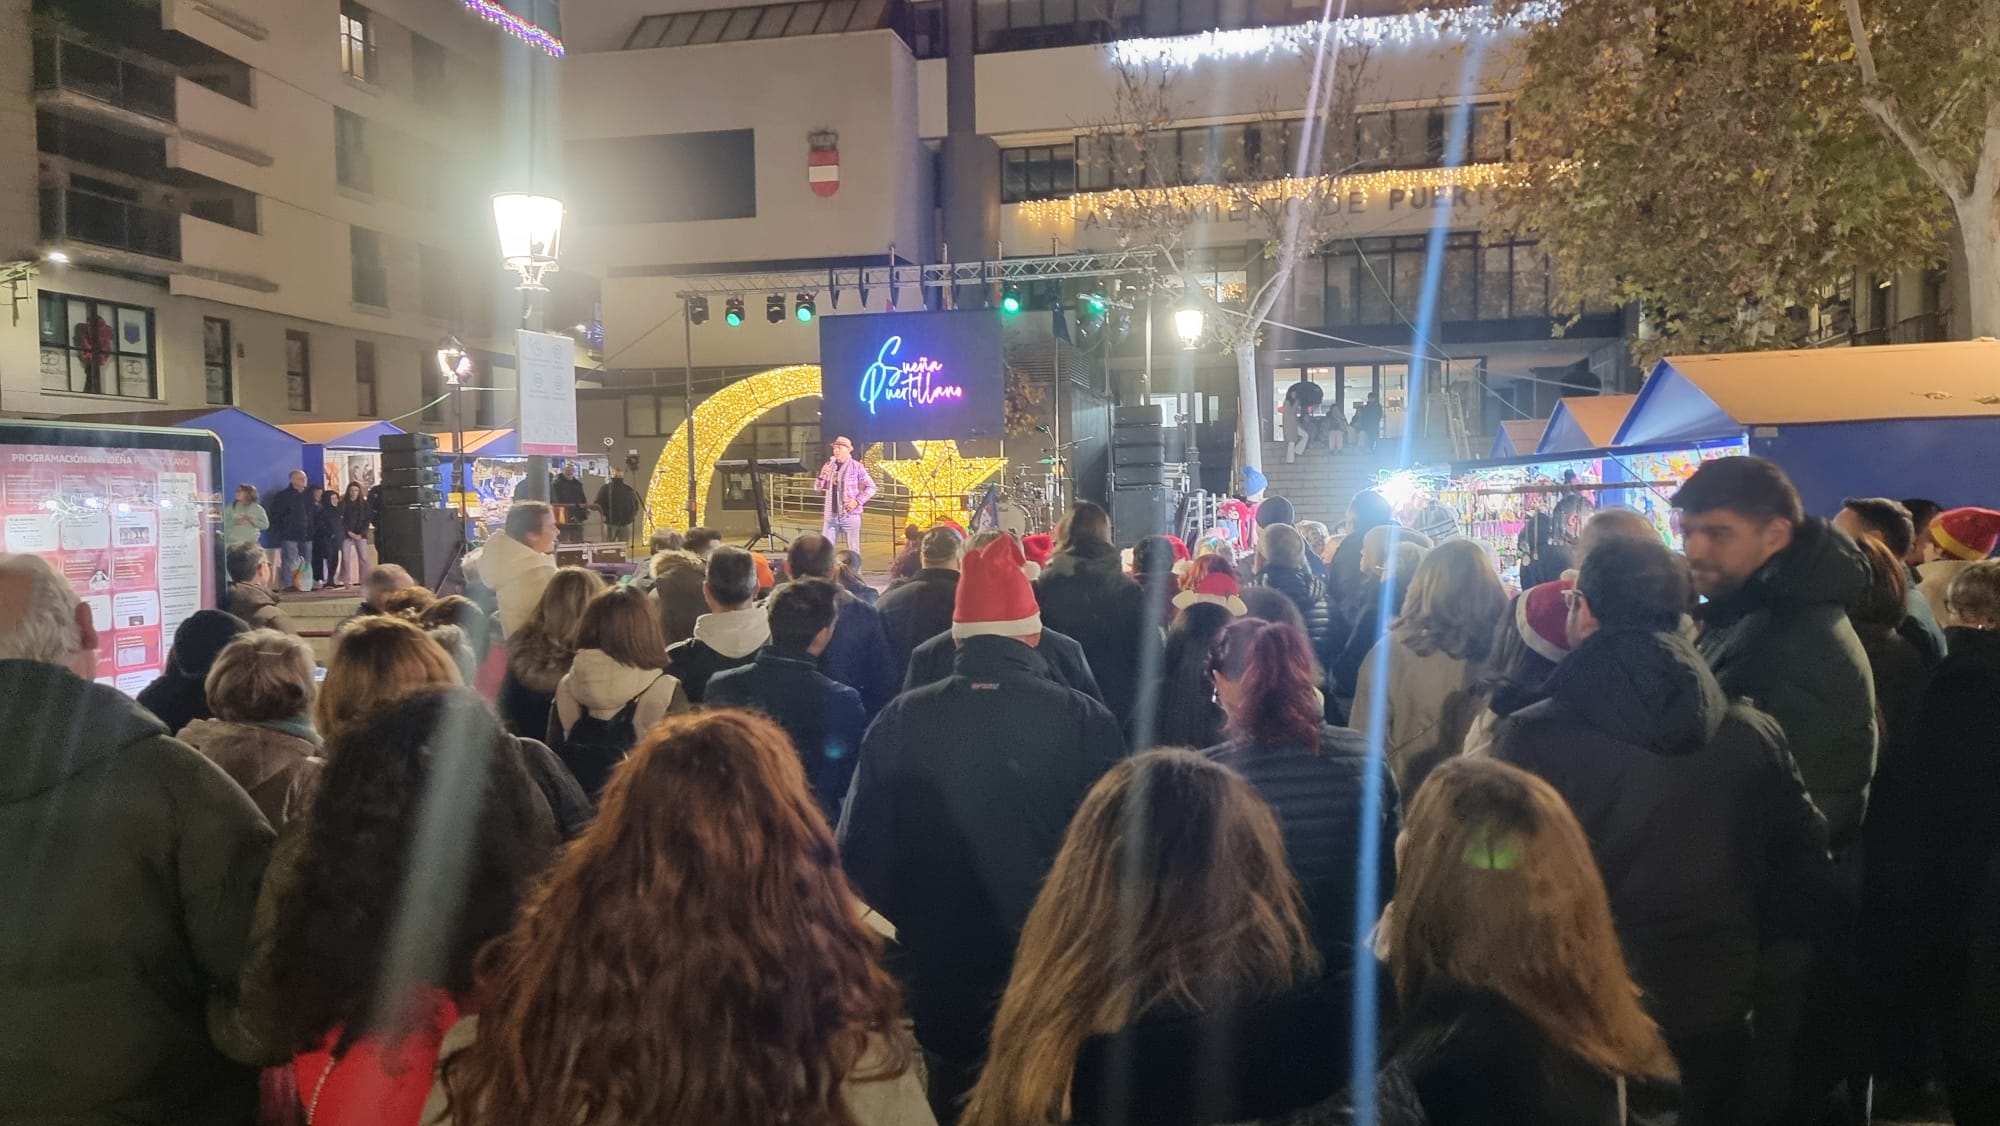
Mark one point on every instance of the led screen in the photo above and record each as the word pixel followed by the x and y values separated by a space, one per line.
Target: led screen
pixel 894 377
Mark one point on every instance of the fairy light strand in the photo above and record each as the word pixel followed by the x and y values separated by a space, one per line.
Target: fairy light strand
pixel 514 25
pixel 1400 30
pixel 1222 197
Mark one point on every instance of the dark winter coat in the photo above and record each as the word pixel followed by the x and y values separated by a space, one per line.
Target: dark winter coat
pixel 179 695
pixel 824 718
pixel 1345 591
pixel 255 604
pixel 918 610
pixel 535 668
pixel 1902 675
pixel 1783 643
pixel 964 791
pixel 125 905
pixel 1062 657
pixel 355 516
pixel 1320 801
pixel 1695 813
pixel 619 503
pixel 1309 595
pixel 1085 593
pixel 291 513
pixel 567 491
pixel 329 528
pixel 860 655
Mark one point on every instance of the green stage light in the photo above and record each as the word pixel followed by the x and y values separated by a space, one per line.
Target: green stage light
pixel 802 308
pixel 1010 302
pixel 732 312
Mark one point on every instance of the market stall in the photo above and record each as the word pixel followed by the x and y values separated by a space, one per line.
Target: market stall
pixel 1583 422
pixel 254 452
pixel 1517 437
pixel 494 466
pixel 338 454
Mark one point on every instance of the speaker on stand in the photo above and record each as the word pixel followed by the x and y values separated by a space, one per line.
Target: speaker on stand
pixel 1142 503
pixel 415 532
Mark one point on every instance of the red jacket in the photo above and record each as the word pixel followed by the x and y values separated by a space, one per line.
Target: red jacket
pixel 374 1083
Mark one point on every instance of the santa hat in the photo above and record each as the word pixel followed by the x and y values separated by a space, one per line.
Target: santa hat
pixel 1967 533
pixel 994 598
pixel 1218 588
pixel 1541 614
pixel 1180 549
pixel 1038 548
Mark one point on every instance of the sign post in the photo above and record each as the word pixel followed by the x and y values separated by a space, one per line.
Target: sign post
pixel 546 382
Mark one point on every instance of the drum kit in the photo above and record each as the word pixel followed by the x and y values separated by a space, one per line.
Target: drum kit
pixel 1033 498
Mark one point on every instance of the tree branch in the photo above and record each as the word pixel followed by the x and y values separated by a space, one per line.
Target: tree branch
pixel 1881 101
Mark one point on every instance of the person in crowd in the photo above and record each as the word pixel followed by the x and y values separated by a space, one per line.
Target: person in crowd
pixel 617 687
pixel 767 576
pixel 920 608
pixel 245 520
pixel 665 539
pixel 1774 627
pixel 381 582
pixel 1206 1018
pixel 1315 776
pixel 1549 542
pixel 1270 605
pixel 1189 715
pixel 729 635
pixel 1698 819
pixel 375 940
pixel 541 650
pixel 860 654
pixel 1368 510
pixel 1888 522
pixel 250 595
pixel 1390 556
pixel 355 522
pixel 1611 523
pixel 329 530
pixel 848 488
pixel 1153 560
pixel 1516 1004
pixel 566 493
pixel 703 542
pixel 518 563
pixel 133 866
pixel 1063 659
pixel 1275 510
pixel 909 558
pixel 702 922
pixel 1085 594
pixel 410 603
pixel 824 718
pixel 1282 566
pixel 1318 550
pixel 677 579
pixel 1532 639
pixel 291 516
pixel 262 736
pixel 1922 511
pixel 179 695
pixel 958 807
pixel 619 504
pixel 1301 407
pixel 1367 423
pixel 847 575
pixel 1959 537
pixel 1436 650
pixel 1899 669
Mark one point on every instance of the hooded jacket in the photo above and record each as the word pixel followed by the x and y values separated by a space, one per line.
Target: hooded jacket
pixel 1061 656
pixel 277 764
pixel 728 640
pixel 1085 593
pixel 1783 643
pixel 125 904
pixel 516 574
pixel 254 603
pixel 1695 814
pixel 601 686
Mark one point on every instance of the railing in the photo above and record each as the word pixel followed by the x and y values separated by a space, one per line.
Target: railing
pixel 72 215
pixel 66 64
pixel 1924 328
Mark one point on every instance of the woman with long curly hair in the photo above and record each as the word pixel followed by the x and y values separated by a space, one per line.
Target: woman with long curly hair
pixel 1436 650
pixel 695 957
pixel 539 654
pixel 1516 1002
pixel 421 843
pixel 1314 776
pixel 1166 973
pixel 375 660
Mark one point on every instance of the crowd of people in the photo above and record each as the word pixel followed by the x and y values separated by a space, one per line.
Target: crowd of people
pixel 1341 830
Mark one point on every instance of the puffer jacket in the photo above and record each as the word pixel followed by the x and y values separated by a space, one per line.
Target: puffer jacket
pixel 256 604
pixel 277 764
pixel 1085 593
pixel 1783 643
pixel 125 906
pixel 535 668
pixel 1061 656
pixel 516 574
pixel 1309 595
pixel 1694 811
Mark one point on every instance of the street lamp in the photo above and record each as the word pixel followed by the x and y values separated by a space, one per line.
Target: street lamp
pixel 457 367
pixel 530 229
pixel 1189 321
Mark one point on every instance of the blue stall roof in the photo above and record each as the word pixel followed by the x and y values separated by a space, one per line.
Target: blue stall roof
pixel 359 434
pixel 1694 398
pixel 483 443
pixel 254 452
pixel 1583 422
pixel 1518 436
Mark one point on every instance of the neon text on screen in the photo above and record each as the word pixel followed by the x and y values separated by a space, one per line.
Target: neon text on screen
pixel 915 383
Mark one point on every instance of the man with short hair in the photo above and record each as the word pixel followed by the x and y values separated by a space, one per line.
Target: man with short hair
pixel 848 488
pixel 729 635
pixel 702 541
pixel 619 504
pixel 383 581
pixel 920 609
pixel 566 491
pixel 291 513
pixel 250 596
pixel 1775 629
pixel 1888 522
pixel 131 877
pixel 860 655
pixel 666 539
pixel 1613 523
pixel 1691 803
pixel 824 717
pixel 517 564
pixel 964 790
pixel 1922 511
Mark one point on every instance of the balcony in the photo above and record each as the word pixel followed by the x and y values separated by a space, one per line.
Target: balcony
pixel 69 215
pixel 1924 328
pixel 65 67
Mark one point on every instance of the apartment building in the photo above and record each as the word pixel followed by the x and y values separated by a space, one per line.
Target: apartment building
pixel 278 205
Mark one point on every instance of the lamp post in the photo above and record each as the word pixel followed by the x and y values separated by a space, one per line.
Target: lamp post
pixel 1189 323
pixel 530 229
pixel 456 365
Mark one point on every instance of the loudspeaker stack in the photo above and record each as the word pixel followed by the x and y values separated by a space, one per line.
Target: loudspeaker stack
pixel 413 532
pixel 1141 504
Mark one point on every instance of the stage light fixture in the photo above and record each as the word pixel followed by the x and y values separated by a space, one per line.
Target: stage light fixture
pixel 774 308
pixel 732 311
pixel 1010 301
pixel 802 308
pixel 697 310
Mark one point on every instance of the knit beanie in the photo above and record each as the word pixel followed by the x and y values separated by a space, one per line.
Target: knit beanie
pixel 1967 533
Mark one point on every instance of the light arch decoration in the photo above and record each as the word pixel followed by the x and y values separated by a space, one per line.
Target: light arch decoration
pixel 717 422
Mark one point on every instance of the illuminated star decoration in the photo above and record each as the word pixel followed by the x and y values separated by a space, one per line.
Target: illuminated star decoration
pixel 939 480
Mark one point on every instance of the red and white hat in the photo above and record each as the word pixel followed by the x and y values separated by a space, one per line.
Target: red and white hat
pixel 994 598
pixel 1967 533
pixel 1214 584
pixel 1542 617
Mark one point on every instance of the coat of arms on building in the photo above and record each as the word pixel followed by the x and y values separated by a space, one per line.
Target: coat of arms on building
pixel 823 162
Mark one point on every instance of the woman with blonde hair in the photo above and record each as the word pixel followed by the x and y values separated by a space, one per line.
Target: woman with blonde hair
pixel 540 652
pixel 261 689
pixel 376 660
pixel 697 956
pixel 1436 650
pixel 1166 972
pixel 1516 1002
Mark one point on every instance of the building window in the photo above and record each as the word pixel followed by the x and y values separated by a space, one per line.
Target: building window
pixel 353 167
pixel 438 281
pixel 217 361
pixel 96 347
pixel 364 378
pixel 357 42
pixel 1039 172
pixel 430 384
pixel 427 72
pixel 652 416
pixel 1380 281
pixel 371 277
pixel 298 370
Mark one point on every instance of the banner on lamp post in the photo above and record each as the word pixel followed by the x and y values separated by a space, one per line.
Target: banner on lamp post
pixel 546 376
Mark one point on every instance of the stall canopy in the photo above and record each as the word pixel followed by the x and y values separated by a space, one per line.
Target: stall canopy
pixel 482 443
pixel 329 444
pixel 1517 436
pixel 1583 422
pixel 1909 420
pixel 254 452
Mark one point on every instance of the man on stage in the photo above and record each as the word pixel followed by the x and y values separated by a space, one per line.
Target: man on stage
pixel 851 488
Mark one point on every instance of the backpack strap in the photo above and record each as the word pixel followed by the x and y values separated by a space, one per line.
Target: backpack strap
pixel 631 707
